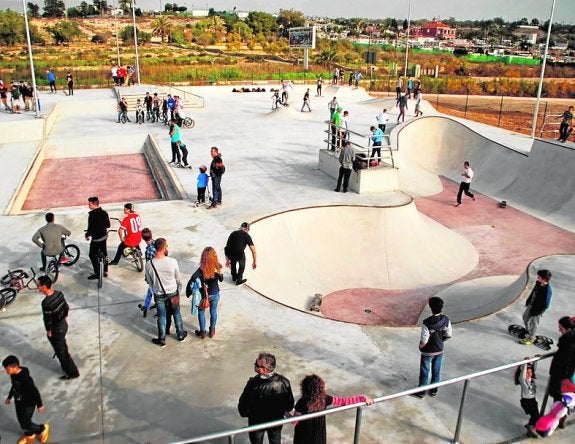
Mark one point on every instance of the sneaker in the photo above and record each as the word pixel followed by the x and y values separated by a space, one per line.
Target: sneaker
pixel 433 393
pixel 527 340
pixel 531 431
pixel 26 439
pixel 144 313
pixel 241 281
pixel 419 395
pixel 68 377
pixel 200 334
pixel 45 433
pixel 159 342
pixel 105 275
pixel 211 207
pixel 113 262
pixel 184 336
pixel 93 277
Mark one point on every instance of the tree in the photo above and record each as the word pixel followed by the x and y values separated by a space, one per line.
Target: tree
pixel 243 30
pixel 33 9
pixel 162 26
pixel 64 31
pixel 127 35
pixel 54 8
pixel 262 22
pixel 217 26
pixel 289 18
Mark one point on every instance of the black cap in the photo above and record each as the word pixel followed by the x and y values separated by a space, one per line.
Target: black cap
pixel 245 225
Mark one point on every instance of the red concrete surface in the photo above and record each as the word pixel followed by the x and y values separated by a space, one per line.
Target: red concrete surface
pixel 69 182
pixel 507 241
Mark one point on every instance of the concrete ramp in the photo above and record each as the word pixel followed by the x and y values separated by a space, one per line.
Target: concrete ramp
pixel 325 249
pixel 539 182
pixel 283 112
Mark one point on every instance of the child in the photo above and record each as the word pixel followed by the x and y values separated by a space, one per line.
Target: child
pixel 150 253
pixel 26 398
pixel 525 377
pixel 139 112
pixel 202 184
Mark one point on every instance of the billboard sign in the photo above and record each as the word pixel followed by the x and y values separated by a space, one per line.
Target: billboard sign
pixel 303 37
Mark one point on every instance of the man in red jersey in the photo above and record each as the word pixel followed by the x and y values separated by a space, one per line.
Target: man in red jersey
pixel 130 232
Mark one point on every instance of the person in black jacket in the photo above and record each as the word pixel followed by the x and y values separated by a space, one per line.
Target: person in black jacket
pixel 266 397
pixel 217 169
pixel 97 234
pixel 537 303
pixel 55 311
pixel 26 398
pixel 434 331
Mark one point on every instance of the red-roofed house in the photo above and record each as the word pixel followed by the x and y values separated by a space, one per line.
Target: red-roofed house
pixel 433 30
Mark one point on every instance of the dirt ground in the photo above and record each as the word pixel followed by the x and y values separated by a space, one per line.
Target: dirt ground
pixel 515 114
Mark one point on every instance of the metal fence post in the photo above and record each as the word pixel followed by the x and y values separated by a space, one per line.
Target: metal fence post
pixel 231 439
pixel 460 416
pixel 466 101
pixel 500 111
pixel 358 414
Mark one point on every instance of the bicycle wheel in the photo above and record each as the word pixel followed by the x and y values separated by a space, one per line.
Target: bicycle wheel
pixel 72 252
pixel 7 296
pixel 189 122
pixel 101 273
pixel 53 270
pixel 12 275
pixel 137 255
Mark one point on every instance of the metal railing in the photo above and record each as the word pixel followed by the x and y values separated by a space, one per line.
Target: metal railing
pixel 361 143
pixel 230 434
pixel 189 98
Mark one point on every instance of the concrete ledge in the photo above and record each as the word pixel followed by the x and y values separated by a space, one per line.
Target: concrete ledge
pixel 166 181
pixel 370 180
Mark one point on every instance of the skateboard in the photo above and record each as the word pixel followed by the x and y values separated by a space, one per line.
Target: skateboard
pixel 519 332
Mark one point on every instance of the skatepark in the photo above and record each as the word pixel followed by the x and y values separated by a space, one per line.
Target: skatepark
pixel 374 257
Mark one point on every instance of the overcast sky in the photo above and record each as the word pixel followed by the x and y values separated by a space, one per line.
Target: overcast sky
pixel 460 9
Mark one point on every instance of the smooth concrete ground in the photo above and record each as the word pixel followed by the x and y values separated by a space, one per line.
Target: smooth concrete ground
pixel 132 391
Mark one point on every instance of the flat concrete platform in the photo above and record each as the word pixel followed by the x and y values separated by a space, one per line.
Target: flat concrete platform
pixel 132 391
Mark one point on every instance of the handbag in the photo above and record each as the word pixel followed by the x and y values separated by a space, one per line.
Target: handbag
pixel 204 304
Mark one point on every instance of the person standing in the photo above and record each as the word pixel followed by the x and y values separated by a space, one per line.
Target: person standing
pixel 332 106
pixel 266 397
pixel 315 399
pixel 130 232
pixel 55 312
pixel 402 103
pixel 382 119
pixel 562 367
pixel 97 234
pixel 335 129
pixel 346 164
pixel 377 140
pixel 357 77
pixel 409 87
pixel 235 255
pixel 319 84
pixel 26 399
pixel 435 330
pixel 49 239
pixel 163 276
pixel 525 377
pixel 398 87
pixel 566 126
pixel 4 95
pixel 536 304
pixel 418 98
pixel 465 183
pixel 51 80
pixel 209 273
pixel 174 139
pixel 306 101
pixel 70 83
pixel 217 169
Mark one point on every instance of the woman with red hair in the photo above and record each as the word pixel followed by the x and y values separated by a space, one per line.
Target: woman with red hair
pixel 209 273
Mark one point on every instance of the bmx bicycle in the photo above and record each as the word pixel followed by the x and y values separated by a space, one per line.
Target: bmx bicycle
pixel 15 281
pixel 133 253
pixel 69 256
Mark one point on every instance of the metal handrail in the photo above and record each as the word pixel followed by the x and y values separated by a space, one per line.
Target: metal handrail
pixel 360 147
pixel 193 98
pixel 230 434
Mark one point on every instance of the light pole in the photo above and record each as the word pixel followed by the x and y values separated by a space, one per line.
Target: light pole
pixel 33 75
pixel 407 39
pixel 135 40
pixel 540 87
pixel 116 28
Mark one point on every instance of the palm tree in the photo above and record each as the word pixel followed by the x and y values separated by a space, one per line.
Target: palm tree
pixel 162 26
pixel 217 26
pixel 327 56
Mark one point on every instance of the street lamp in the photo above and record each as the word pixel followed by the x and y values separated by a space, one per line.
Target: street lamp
pixel 540 87
pixel 116 29
pixel 36 101
pixel 407 39
pixel 135 40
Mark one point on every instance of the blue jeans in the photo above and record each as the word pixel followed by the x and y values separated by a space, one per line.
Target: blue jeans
pixel 161 302
pixel 214 299
pixel 428 363
pixel 148 299
pixel 216 189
